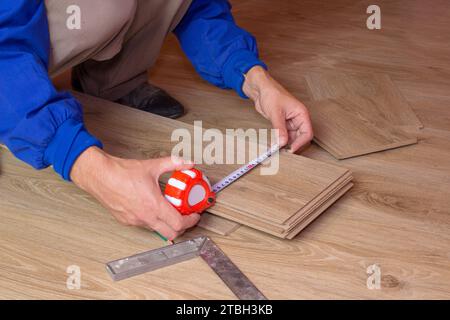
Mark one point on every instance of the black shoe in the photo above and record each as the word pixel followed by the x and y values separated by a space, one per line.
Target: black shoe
pixel 152 99
pixel 76 84
pixel 146 97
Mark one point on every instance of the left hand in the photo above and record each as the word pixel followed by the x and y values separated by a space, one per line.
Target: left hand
pixel 276 104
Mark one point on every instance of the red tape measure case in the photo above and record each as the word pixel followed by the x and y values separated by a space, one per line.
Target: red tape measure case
pixel 189 191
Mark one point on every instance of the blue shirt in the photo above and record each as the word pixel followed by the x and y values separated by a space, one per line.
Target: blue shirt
pixel 44 127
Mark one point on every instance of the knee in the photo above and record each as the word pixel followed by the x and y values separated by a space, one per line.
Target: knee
pixel 106 18
pixel 115 14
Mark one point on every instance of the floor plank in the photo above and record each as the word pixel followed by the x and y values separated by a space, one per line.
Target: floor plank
pixel 346 130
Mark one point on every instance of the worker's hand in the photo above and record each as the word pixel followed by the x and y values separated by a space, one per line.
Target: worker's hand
pixel 276 104
pixel 129 189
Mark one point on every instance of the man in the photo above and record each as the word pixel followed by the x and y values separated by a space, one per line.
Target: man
pixel 110 54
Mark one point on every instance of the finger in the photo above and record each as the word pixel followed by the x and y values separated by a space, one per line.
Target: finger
pixel 167 164
pixel 303 136
pixel 292 125
pixel 176 220
pixel 292 136
pixel 165 230
pixel 300 141
pixel 279 122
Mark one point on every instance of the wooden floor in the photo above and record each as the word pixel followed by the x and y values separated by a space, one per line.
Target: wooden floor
pixel 397 215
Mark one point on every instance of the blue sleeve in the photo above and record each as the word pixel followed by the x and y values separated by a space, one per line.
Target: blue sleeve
pixel 38 124
pixel 220 51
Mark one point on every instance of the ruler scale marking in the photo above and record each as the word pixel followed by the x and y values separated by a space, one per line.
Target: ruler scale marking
pixel 219 186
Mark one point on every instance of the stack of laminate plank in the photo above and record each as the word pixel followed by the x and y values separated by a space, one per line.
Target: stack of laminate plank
pixel 285 203
pixel 281 204
pixel 357 114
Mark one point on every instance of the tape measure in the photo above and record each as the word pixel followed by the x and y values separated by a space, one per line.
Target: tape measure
pixel 189 191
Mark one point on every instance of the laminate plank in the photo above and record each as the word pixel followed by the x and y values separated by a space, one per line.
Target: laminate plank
pixel 344 130
pixel 299 227
pixel 373 95
pixel 284 230
pixel 333 189
pixel 252 220
pixel 290 194
pixel 217 224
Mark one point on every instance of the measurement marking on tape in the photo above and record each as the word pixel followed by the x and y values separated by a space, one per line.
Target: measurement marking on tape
pixel 244 169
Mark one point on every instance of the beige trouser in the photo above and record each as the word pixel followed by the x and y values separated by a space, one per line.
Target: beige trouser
pixel 119 40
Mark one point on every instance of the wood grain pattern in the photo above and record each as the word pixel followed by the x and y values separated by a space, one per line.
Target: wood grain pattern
pixel 301 219
pixel 217 224
pixel 397 214
pixel 356 114
pixel 374 96
pixel 344 130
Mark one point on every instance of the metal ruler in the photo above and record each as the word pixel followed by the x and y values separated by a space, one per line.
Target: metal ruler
pixel 202 247
pixel 229 179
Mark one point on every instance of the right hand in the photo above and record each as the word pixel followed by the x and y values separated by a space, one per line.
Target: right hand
pixel 129 189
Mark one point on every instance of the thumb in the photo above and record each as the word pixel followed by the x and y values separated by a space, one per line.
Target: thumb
pixel 279 123
pixel 173 163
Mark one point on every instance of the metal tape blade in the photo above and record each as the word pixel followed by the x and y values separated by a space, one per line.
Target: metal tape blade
pixel 232 177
